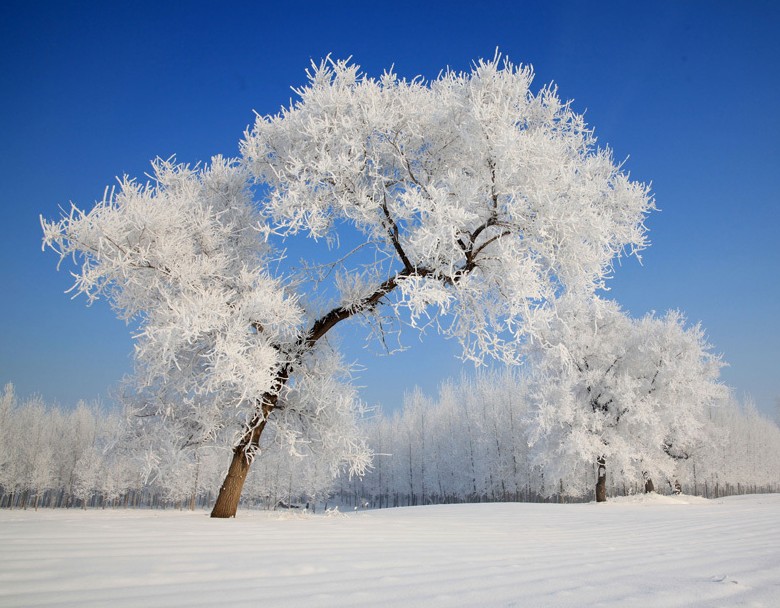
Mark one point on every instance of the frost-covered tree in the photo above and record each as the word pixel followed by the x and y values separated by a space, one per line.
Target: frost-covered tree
pixel 79 436
pixel 610 391
pixel 8 473
pixel 35 458
pixel 13 478
pixel 459 204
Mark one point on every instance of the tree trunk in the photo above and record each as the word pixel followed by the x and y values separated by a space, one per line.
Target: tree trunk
pixel 194 495
pixel 601 480
pixel 230 492
pixel 243 455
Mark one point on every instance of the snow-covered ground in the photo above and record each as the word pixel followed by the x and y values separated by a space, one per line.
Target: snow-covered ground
pixel 662 551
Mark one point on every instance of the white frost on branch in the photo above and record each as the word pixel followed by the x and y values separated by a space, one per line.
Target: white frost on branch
pixel 181 257
pixel 489 198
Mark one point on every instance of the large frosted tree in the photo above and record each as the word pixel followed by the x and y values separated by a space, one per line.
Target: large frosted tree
pixel 460 204
pixel 611 391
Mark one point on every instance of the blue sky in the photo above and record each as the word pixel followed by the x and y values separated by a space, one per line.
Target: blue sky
pixel 689 92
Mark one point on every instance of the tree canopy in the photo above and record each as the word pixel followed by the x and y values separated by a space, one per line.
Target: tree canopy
pixel 476 201
pixel 629 394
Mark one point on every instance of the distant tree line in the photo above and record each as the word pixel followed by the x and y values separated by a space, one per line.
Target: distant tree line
pixel 468 444
pixel 95 457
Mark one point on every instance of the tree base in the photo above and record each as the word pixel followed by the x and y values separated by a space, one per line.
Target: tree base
pixel 601 481
pixel 230 492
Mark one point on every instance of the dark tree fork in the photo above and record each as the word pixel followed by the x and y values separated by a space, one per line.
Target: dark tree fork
pixel 244 453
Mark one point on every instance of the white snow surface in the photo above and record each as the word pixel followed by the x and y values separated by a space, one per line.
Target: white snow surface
pixel 636 551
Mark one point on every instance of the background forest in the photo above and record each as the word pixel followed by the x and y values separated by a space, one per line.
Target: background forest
pixel 466 444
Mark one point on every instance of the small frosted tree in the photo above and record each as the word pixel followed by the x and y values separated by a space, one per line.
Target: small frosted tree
pixel 459 204
pixel 8 437
pixel 608 390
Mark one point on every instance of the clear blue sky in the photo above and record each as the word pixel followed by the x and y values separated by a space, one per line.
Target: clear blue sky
pixel 690 90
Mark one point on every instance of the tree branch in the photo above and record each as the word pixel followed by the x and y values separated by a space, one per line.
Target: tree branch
pixel 325 323
pixel 393 233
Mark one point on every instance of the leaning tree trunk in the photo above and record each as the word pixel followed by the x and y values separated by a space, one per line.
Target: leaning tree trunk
pixel 243 455
pixel 601 480
pixel 244 452
pixel 230 491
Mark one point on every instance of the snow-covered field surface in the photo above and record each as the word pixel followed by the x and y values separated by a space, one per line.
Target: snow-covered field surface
pixel 661 551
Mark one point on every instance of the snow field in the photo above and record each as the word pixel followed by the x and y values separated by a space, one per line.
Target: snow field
pixel 657 551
